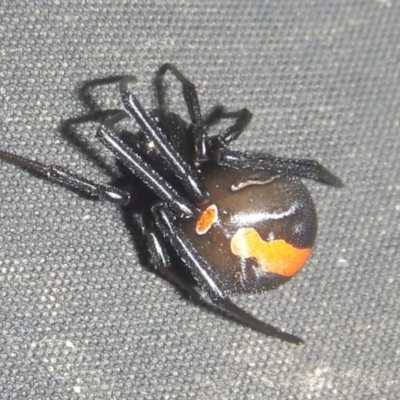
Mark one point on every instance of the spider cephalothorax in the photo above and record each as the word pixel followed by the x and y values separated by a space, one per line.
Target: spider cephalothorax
pixel 241 222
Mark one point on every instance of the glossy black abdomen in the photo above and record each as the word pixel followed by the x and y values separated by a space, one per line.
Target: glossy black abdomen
pixel 257 229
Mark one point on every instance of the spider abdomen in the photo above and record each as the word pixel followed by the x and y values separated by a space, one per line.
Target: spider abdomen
pixel 257 229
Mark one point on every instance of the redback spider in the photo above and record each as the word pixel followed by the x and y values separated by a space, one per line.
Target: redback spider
pixel 241 222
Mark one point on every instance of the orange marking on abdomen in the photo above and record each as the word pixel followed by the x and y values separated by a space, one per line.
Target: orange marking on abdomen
pixel 276 256
pixel 206 219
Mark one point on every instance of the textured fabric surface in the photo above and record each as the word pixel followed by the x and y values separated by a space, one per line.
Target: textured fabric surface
pixel 82 318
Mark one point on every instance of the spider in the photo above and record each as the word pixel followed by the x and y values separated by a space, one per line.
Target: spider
pixel 242 223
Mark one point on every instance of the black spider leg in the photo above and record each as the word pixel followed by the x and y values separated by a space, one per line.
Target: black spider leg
pixel 69 131
pixel 69 179
pixel 173 125
pixel 203 272
pixel 162 263
pixel 198 128
pixel 85 95
pixel 221 154
pixel 153 132
pixel 68 127
pixel 140 168
pixel 310 169
pixel 161 260
pixel 177 130
pixel 230 134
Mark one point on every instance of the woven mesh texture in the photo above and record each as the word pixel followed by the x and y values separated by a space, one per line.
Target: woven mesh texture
pixel 82 318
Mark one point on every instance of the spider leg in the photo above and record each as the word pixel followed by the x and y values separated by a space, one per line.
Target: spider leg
pixel 162 262
pixel 69 179
pixel 243 118
pixel 214 143
pixel 158 137
pixel 197 129
pixel 177 131
pixel 85 95
pixel 140 168
pixel 188 90
pixel 204 274
pixel 310 169
pixel 176 128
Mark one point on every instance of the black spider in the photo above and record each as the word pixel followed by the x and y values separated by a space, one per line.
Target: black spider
pixel 241 222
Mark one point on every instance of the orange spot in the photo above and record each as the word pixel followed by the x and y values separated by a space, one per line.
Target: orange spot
pixel 277 256
pixel 206 219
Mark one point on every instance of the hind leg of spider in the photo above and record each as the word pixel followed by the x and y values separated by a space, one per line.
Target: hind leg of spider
pixel 203 272
pixel 69 179
pixel 310 169
pixel 162 262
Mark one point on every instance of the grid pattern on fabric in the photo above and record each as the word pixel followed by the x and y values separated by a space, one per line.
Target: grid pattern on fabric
pixel 82 318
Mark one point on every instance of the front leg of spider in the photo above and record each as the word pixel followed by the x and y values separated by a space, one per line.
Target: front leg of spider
pixel 154 133
pixel 69 179
pixel 205 275
pixel 204 147
pixel 197 128
pixel 140 168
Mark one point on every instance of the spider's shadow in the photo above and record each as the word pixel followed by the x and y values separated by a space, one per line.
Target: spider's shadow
pixel 125 180
pixel 93 114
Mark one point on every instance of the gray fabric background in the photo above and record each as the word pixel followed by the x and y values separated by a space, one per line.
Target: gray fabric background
pixel 81 318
